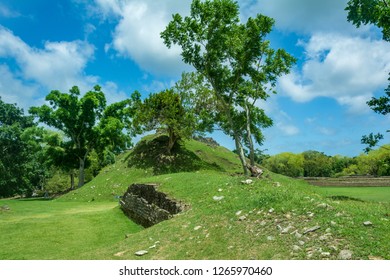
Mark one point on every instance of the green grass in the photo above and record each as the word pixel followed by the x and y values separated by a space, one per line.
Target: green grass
pixel 377 194
pixel 247 223
pixel 36 229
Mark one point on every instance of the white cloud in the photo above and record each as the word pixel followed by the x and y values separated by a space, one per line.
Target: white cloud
pixel 287 129
pixel 6 12
pixel 305 16
pixel 347 69
pixel 59 65
pixel 137 35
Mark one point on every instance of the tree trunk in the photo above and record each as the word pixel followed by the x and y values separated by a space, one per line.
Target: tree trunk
pixel 71 173
pixel 171 140
pixel 81 172
pixel 249 136
pixel 240 152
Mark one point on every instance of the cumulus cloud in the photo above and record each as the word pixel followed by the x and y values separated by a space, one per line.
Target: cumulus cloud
pixel 13 90
pixel 347 69
pixel 59 65
pixel 137 34
pixel 304 16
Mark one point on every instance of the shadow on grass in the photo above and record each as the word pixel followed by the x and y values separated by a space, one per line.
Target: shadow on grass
pixel 345 198
pixel 152 154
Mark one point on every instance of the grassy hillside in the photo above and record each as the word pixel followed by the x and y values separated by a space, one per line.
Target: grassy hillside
pixel 273 218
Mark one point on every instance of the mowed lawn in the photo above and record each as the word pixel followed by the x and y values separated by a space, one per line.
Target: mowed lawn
pixel 377 194
pixel 60 230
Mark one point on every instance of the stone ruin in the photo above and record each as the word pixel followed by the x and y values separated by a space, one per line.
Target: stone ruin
pixel 146 206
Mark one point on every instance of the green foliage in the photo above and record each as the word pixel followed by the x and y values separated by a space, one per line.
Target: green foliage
pixel 374 12
pixel 236 61
pixel 164 111
pixel 198 101
pixel 370 12
pixel 288 164
pixel 87 125
pixel 22 160
pixel 317 164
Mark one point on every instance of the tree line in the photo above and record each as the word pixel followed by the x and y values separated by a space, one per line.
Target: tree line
pixel 318 164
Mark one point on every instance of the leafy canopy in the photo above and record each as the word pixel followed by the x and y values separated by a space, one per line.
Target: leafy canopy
pixel 235 59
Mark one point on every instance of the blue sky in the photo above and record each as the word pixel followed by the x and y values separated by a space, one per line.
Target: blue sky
pixel 320 105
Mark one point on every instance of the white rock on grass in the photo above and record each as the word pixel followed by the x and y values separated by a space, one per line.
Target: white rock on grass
pixel 218 198
pixel 197 227
pixel 247 181
pixel 345 255
pixel 141 253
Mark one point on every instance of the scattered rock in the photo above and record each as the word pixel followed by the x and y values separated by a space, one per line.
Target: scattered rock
pixel 277 184
pixel 310 214
pixel 141 253
pixel 325 237
pixel 255 171
pixel 271 210
pixel 286 230
pixel 298 235
pixel 218 198
pixel 119 254
pixel 220 190
pixel 153 246
pixel 5 208
pixel 368 224
pixel 238 213
pixel 345 255
pixel 374 258
pixel 247 181
pixel 197 227
pixel 300 242
pixel 296 248
pixel 325 254
pixel 270 238
pixel 324 206
pixel 263 223
pixel 242 218
pixel 312 229
pixel 332 223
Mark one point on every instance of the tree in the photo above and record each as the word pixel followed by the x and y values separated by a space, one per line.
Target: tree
pixel 228 54
pixel 198 102
pixel 288 164
pixel 375 12
pixel 83 122
pixel 317 164
pixel 164 111
pixel 22 164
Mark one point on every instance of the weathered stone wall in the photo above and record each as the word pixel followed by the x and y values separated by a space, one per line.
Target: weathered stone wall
pixel 143 204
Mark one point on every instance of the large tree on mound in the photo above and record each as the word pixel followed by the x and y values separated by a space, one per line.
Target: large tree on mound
pixel 236 60
pixel 164 111
pixel 87 123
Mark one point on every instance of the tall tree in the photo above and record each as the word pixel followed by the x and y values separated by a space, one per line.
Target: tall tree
pixel 227 53
pixel 375 12
pixel 82 121
pixel 164 111
pixel 21 152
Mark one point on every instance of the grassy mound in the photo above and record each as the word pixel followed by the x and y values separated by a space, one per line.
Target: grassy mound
pixel 272 218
